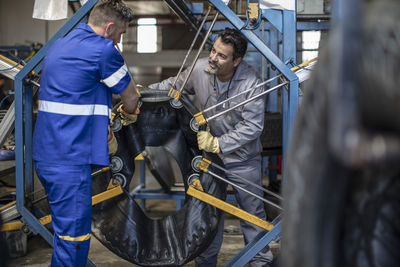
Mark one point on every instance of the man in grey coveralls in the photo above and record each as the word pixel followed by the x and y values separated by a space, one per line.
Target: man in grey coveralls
pixel 234 136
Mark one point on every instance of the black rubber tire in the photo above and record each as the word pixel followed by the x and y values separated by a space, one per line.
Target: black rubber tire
pixel 121 225
pixel 336 215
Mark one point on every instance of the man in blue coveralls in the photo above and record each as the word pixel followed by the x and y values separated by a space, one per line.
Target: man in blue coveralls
pixel 80 73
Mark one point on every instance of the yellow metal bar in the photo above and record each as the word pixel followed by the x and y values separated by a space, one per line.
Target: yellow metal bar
pixel 9 61
pixel 306 63
pixel 199 117
pixel 8 205
pixel 45 220
pixel 13 226
pixel 112 191
pixel 13 63
pixel 228 208
pixel 139 157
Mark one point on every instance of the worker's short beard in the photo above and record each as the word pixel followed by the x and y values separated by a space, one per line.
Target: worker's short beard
pixel 211 70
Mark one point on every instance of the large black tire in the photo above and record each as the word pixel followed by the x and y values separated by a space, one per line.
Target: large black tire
pixel 337 214
pixel 121 225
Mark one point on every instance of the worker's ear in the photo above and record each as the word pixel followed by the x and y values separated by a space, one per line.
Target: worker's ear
pixel 237 61
pixel 109 29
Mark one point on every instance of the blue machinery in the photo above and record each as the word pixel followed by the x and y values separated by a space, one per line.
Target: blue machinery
pixel 284 21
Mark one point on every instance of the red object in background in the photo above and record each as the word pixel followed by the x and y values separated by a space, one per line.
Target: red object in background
pixel 277 167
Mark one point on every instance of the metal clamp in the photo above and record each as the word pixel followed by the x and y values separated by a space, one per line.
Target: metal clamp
pixel 199 117
pixel 203 165
pixel 194 181
pixel 174 93
pixel 196 162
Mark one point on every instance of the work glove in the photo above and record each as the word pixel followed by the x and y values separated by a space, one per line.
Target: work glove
pixel 127 118
pixel 207 142
pixel 112 142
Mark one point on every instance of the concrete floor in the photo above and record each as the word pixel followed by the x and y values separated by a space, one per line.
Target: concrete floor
pixel 38 252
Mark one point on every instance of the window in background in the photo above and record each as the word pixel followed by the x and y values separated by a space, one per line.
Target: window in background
pixel 147 35
pixel 310 44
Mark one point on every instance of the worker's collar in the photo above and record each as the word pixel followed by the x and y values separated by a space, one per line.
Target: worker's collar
pixel 84 26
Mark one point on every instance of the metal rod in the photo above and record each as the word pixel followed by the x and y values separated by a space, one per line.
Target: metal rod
pixel 34 83
pixel 260 84
pixel 246 101
pixel 244 190
pixel 246 91
pixel 191 46
pixel 199 51
pixel 246 181
pixel 105 169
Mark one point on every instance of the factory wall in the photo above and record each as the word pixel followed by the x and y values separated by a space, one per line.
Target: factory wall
pixel 17 27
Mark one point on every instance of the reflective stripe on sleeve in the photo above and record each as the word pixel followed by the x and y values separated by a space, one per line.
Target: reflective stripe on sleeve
pixel 114 78
pixel 78 238
pixel 74 110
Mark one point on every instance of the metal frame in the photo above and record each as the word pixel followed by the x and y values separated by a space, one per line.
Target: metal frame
pixel 313 26
pixel 23 126
pixel 23 113
pixel 142 193
pixel 259 242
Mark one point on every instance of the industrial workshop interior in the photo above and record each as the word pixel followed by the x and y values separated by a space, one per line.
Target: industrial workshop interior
pixel 200 133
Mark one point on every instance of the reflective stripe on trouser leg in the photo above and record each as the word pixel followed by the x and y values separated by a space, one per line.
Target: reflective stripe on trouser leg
pixel 69 192
pixel 251 171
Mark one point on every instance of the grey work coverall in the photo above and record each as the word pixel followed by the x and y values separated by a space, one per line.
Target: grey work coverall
pixel 238 133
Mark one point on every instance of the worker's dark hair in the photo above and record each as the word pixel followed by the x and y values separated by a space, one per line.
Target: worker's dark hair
pixel 110 10
pixel 236 39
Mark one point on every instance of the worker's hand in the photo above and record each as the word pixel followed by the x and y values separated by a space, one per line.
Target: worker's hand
pixel 207 142
pixel 127 118
pixel 112 142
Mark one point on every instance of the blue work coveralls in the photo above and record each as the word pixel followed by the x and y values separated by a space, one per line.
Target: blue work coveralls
pixel 238 133
pixel 80 73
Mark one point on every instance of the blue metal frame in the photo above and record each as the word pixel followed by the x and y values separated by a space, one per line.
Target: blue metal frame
pixel 274 16
pixel 23 112
pixel 140 192
pixel 313 26
pixel 252 248
pixel 23 125
pixel 289 97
